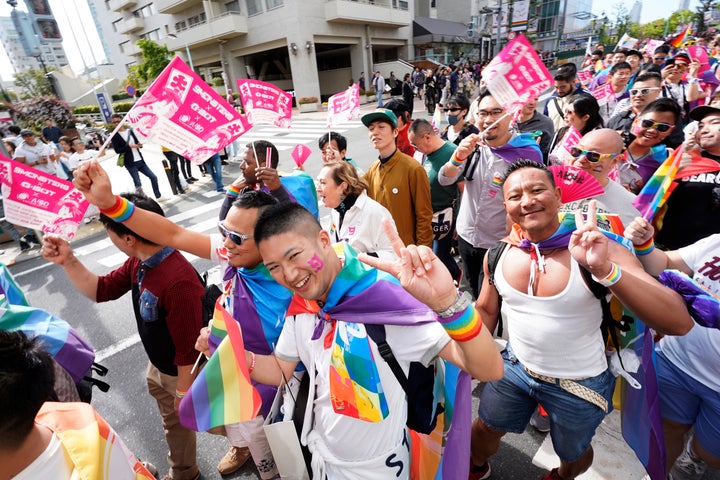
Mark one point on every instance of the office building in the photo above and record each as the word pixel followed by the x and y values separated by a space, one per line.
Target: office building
pixel 53 54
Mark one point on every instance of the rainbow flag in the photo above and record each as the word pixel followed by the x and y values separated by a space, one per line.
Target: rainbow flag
pixel 678 41
pixel 222 393
pixel 302 189
pixel 658 188
pixel 8 287
pixel 93 447
pixel 521 146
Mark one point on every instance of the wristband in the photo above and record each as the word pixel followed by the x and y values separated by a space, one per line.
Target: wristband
pixel 692 81
pixel 121 211
pixel 180 394
pixel 251 367
pixel 612 278
pixel 645 248
pixel 232 190
pixel 460 320
pixel 456 162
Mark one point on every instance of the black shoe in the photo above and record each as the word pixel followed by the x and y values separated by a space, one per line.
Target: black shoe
pixel 189 181
pixel 192 179
pixel 31 238
pixel 24 246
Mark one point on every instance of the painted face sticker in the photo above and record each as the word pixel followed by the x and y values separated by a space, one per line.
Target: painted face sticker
pixel 316 263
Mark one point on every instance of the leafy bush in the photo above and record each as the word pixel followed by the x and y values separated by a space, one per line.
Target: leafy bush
pixel 304 100
pixel 122 107
pixel 34 111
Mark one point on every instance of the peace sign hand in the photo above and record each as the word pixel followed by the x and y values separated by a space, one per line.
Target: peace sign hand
pixel 588 246
pixel 419 270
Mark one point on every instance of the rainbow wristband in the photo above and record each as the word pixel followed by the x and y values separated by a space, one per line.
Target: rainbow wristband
pixel 121 211
pixel 612 278
pixel 645 248
pixel 180 394
pixel 232 190
pixel 457 162
pixel 463 325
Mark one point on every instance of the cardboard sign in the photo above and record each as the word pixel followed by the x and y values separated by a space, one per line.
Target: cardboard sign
pixel 184 114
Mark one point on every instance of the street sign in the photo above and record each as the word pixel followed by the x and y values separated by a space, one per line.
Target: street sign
pixel 105 107
pixel 130 90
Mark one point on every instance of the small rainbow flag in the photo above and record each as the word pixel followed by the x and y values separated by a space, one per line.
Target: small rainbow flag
pixel 678 41
pixel 657 189
pixel 222 393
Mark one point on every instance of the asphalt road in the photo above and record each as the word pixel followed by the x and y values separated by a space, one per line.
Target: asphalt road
pixel 110 327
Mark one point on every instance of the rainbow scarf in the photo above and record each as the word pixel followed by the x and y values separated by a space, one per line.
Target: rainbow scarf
pixel 9 287
pixel 92 445
pixel 522 146
pixel 222 393
pixel 361 294
pixel 648 164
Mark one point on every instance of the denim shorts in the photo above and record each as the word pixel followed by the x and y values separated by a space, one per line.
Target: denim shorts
pixel 685 400
pixel 508 404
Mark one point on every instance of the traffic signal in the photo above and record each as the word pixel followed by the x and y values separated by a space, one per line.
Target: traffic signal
pixel 48 30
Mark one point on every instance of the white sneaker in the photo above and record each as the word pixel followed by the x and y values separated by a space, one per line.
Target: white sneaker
pixel 686 467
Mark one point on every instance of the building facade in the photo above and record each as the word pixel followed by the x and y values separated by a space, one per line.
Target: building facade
pixel 313 47
pixel 53 54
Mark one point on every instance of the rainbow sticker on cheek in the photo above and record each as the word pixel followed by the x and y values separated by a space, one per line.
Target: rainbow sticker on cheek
pixel 316 263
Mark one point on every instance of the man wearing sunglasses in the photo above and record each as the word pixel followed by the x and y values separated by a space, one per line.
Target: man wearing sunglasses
pixel 684 91
pixel 167 299
pixel 694 206
pixel 597 153
pixel 251 296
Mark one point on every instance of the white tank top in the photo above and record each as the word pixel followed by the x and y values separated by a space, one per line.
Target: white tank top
pixel 558 336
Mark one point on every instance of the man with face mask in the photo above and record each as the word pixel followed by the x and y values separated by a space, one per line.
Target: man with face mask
pixel 456 109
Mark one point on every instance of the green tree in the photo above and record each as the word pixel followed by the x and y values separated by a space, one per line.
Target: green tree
pixel 620 23
pixel 154 59
pixel 33 83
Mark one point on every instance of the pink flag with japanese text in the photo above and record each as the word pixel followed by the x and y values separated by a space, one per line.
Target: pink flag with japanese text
pixel 700 54
pixel 517 74
pixel 184 114
pixel 572 137
pixel 651 45
pixel 604 94
pixel 265 103
pixel 39 200
pixel 585 76
pixel 344 106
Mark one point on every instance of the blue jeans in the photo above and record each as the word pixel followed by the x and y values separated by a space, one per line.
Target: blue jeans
pixel 214 167
pixel 508 404
pixel 379 99
pixel 141 167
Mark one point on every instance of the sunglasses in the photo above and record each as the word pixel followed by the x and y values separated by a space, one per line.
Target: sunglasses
pixel 453 109
pixel 642 91
pixel 236 238
pixel 592 157
pixel 659 126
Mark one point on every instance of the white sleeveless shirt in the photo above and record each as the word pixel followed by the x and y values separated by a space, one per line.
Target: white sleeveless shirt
pixel 558 336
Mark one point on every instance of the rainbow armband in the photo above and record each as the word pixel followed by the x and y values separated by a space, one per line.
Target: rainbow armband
pixel 456 162
pixel 232 190
pixel 461 321
pixel 645 248
pixel 120 211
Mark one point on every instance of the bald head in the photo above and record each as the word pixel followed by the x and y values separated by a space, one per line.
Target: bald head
pixel 611 141
pixel 601 151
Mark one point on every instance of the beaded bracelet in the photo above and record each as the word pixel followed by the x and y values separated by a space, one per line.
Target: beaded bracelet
pixel 251 367
pixel 456 162
pixel 180 394
pixel 232 190
pixel 120 211
pixel 645 248
pixel 612 278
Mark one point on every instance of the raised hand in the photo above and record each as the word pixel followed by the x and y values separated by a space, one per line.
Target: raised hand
pixel 93 181
pixel 55 249
pixel 639 231
pixel 588 246
pixel 420 272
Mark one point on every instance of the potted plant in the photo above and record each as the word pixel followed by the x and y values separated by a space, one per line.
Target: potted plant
pixel 307 104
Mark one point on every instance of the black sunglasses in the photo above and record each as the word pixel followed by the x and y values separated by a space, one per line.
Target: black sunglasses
pixel 592 157
pixel 236 238
pixel 453 109
pixel 659 126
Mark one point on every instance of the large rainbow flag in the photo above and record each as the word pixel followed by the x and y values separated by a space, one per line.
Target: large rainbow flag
pixel 222 393
pixel 678 40
pixel 656 191
pixel 361 294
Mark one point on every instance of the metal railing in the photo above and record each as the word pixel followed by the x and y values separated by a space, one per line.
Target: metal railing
pixel 396 4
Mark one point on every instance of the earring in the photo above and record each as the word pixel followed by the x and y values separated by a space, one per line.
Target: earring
pixel 342 198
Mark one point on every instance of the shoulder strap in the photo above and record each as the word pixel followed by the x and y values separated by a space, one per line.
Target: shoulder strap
pixel 377 333
pixel 494 257
pixel 557 106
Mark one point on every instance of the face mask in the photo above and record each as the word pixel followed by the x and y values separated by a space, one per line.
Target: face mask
pixel 453 119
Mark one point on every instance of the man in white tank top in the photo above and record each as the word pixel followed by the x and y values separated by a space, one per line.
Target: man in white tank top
pixel 555 355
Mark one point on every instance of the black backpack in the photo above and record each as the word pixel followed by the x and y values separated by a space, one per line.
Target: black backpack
pixel 609 325
pixel 212 292
pixel 418 385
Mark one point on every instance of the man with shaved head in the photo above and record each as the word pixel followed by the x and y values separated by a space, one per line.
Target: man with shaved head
pixel 597 153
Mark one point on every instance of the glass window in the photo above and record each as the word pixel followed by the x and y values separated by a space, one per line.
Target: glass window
pixel 254 7
pixel 124 46
pixel 180 26
pixel 233 6
pixel 115 25
pixel 274 4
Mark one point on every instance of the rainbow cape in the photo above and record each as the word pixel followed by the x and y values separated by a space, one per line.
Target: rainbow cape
pixel 92 445
pixel 521 146
pixel 222 392
pixel 302 187
pixel 361 294
pixel 656 191
pixel 8 287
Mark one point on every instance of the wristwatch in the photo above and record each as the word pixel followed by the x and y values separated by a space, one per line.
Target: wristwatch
pixel 462 302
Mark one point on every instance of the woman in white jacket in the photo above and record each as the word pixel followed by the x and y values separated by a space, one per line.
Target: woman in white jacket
pixel 356 218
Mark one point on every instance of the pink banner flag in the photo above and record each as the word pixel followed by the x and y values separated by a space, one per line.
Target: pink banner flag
pixel 344 106
pixel 651 45
pixel 604 94
pixel 300 154
pixel 585 76
pixel 517 74
pixel 265 103
pixel 39 200
pixel 700 54
pixel 572 137
pixel 184 114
